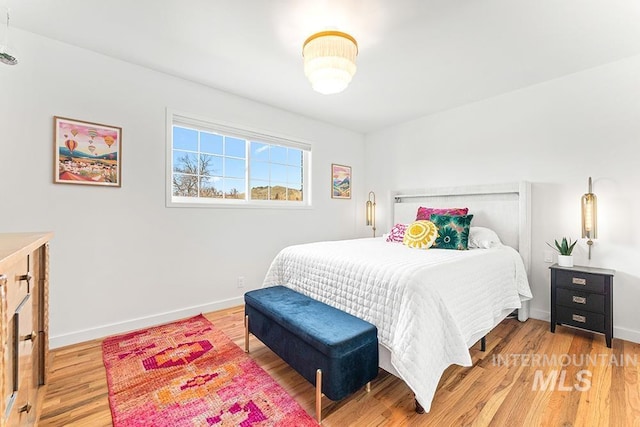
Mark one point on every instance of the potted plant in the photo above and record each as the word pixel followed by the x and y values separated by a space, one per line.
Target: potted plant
pixel 564 249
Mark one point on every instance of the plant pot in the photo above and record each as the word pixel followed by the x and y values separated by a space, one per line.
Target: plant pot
pixel 565 260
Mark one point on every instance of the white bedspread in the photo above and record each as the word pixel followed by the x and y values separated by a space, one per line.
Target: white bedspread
pixel 426 304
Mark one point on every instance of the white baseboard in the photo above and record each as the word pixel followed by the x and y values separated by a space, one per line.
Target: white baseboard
pixel 618 332
pixel 535 313
pixel 626 334
pixel 141 322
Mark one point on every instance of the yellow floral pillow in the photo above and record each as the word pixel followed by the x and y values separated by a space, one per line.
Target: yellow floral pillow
pixel 420 235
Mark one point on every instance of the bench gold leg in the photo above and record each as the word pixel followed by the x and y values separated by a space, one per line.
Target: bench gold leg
pixel 246 333
pixel 368 386
pixel 319 396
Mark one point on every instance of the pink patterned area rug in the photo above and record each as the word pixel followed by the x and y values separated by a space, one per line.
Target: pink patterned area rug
pixel 189 373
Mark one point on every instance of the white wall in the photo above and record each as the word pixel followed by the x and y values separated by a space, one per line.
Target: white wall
pixel 120 259
pixel 556 135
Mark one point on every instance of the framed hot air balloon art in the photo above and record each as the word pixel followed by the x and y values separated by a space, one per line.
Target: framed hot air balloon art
pixel 87 153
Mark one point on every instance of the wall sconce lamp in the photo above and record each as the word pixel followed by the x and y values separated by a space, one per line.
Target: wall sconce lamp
pixel 589 217
pixel 371 211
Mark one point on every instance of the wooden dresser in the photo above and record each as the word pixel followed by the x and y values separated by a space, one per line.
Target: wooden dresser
pixel 24 313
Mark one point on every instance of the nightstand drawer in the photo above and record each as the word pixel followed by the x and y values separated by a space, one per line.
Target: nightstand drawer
pixel 580 281
pixel 581 319
pixel 580 300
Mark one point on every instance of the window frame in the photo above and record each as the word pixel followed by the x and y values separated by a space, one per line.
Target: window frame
pixel 249 134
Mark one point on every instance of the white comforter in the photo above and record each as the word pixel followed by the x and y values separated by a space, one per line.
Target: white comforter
pixel 426 304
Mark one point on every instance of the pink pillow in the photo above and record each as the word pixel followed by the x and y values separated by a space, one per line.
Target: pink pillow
pixel 425 213
pixel 397 233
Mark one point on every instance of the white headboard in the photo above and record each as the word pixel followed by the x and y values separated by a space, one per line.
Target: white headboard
pixel 505 208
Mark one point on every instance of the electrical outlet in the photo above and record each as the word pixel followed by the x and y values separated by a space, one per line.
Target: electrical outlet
pixel 241 281
pixel 548 256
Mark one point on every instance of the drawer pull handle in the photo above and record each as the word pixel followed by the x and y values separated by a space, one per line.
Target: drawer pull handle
pixel 578 281
pixel 3 279
pixel 579 300
pixel 578 318
pixel 26 277
pixel 31 337
pixel 25 408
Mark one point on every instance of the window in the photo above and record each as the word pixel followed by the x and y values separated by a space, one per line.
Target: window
pixel 211 164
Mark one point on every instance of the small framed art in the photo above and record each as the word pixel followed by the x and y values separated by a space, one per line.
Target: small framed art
pixel 341 181
pixel 87 153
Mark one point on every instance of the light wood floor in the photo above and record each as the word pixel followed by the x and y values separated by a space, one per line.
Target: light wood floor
pixel 484 394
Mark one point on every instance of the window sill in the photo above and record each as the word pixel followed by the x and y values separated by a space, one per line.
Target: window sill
pixel 232 204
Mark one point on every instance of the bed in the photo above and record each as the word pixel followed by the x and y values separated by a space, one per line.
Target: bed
pixel 430 306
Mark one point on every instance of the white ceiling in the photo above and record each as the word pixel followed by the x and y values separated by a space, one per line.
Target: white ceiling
pixel 417 57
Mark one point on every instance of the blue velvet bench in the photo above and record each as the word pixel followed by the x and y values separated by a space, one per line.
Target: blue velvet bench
pixel 333 350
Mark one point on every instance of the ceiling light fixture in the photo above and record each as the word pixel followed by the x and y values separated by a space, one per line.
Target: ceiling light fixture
pixel 7 56
pixel 330 61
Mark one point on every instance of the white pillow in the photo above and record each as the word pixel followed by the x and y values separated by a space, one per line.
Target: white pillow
pixel 483 238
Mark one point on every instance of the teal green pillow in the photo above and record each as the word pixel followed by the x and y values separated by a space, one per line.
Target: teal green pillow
pixel 453 231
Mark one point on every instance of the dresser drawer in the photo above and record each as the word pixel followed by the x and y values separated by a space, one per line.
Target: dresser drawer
pixel 580 281
pixel 16 410
pixel 580 300
pixel 581 319
pixel 19 379
pixel 24 291
pixel 17 285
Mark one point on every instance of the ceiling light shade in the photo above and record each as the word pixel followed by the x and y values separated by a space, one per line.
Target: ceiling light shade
pixel 330 61
pixel 7 52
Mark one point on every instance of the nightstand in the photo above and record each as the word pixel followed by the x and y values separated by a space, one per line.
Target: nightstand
pixel 582 297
